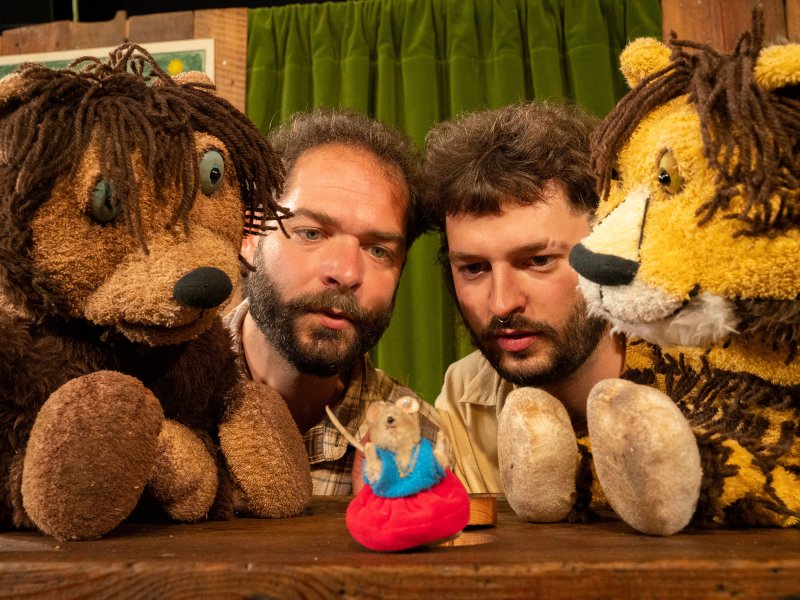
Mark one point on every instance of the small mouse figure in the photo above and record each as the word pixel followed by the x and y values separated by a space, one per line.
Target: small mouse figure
pixel 410 497
pixel 398 463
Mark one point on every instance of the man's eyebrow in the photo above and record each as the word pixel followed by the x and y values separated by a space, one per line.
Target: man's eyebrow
pixel 526 249
pixel 319 217
pixel 325 219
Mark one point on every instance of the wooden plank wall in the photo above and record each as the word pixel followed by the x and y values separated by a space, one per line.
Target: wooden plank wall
pixel 227 26
pixel 720 22
pixel 717 22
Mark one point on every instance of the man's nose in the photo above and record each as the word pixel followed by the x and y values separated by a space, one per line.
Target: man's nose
pixel 342 265
pixel 506 296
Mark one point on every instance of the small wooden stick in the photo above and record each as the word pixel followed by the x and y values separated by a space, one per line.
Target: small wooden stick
pixel 347 435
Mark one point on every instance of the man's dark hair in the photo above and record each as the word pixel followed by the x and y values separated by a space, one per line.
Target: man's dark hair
pixel 481 160
pixel 307 130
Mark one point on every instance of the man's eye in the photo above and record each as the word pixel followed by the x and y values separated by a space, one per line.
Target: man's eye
pixel 542 262
pixel 472 269
pixel 311 235
pixel 379 252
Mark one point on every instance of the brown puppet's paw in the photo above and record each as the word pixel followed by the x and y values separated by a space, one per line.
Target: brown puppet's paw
pixel 89 455
pixel 265 453
pixel 538 455
pixel 645 454
pixel 184 478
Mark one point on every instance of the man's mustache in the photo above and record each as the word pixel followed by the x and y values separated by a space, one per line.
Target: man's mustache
pixel 520 323
pixel 344 303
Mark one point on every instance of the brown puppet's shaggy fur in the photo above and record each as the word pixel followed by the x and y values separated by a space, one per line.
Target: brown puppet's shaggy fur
pixel 122 195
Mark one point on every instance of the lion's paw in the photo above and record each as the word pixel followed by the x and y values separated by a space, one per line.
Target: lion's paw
pixel 538 455
pixel 645 454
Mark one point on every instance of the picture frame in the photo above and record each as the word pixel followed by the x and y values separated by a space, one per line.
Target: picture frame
pixel 174 56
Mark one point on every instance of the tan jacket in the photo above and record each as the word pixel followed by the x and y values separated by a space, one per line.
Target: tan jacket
pixel 472 397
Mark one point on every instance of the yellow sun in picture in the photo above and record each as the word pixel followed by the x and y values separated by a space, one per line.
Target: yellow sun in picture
pixel 175 66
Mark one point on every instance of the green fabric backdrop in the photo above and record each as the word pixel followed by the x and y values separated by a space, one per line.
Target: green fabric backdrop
pixel 412 63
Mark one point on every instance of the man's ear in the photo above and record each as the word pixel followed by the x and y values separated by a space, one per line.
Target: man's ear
pixel 249 247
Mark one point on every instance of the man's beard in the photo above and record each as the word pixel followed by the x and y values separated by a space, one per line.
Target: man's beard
pixel 570 347
pixel 328 351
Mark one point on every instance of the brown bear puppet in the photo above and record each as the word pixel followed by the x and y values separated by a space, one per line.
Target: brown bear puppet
pixel 122 202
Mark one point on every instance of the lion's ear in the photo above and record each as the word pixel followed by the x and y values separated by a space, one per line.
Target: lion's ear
pixel 643 57
pixel 778 67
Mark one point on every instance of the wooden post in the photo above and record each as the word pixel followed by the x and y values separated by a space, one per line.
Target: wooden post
pixel 720 22
pixel 64 35
pixel 161 27
pixel 793 20
pixel 228 27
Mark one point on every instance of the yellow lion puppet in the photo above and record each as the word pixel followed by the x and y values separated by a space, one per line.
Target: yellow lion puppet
pixel 694 258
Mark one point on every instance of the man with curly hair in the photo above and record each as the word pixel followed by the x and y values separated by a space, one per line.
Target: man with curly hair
pixel 512 190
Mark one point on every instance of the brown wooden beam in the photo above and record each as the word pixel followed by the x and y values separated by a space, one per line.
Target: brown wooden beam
pixel 64 35
pixel 228 27
pixel 161 27
pixel 720 22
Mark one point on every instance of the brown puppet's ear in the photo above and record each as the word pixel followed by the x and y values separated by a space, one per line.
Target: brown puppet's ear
pixel 195 77
pixel 10 88
pixel 10 85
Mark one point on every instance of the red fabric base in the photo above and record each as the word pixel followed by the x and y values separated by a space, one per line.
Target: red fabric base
pixel 392 524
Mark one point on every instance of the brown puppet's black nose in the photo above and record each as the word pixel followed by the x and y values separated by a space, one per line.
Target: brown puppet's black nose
pixel 204 287
pixel 602 269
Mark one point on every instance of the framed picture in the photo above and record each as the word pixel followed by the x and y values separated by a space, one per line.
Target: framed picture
pixel 174 57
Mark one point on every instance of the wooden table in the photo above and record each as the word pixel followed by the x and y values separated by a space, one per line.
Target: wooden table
pixel 313 556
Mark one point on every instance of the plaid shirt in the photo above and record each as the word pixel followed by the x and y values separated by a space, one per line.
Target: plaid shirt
pixel 329 454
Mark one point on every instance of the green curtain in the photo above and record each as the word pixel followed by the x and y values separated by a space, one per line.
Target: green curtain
pixel 413 63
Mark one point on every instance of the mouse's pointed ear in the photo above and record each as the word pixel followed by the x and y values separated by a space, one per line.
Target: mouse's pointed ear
pixel 373 410
pixel 409 404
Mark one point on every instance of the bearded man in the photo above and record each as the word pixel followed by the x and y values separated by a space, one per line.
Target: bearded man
pixel 320 293
pixel 513 192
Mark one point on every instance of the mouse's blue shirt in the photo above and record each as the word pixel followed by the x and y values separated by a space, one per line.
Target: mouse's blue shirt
pixel 422 472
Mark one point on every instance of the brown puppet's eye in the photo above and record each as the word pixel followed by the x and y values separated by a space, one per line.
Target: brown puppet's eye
pixel 668 175
pixel 105 206
pixel 212 169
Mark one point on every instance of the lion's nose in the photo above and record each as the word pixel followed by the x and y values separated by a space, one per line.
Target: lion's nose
pixel 602 269
pixel 204 287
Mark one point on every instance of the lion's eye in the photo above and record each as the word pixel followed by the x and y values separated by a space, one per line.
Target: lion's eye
pixel 668 175
pixel 105 206
pixel 212 171
pixel 615 176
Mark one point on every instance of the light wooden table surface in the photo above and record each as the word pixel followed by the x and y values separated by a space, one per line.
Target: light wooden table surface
pixel 313 556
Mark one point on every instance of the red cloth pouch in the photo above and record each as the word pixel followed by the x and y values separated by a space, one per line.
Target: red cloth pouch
pixel 393 524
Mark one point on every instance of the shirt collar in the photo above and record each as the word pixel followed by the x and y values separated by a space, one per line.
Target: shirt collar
pixel 487 388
